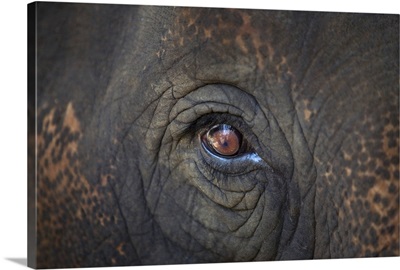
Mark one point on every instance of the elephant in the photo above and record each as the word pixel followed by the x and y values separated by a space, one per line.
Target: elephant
pixel 180 135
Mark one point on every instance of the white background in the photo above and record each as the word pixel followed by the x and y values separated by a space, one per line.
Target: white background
pixel 13 128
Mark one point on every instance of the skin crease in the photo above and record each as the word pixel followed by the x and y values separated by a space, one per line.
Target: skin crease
pixel 125 93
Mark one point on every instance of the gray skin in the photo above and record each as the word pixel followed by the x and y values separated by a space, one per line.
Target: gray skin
pixel 125 93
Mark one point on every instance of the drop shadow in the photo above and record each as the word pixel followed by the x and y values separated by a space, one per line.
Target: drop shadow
pixel 20 261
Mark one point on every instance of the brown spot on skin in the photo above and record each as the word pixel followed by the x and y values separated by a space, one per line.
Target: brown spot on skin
pixel 255 38
pixel 226 42
pixel 192 20
pixel 387 147
pixel 160 53
pixel 120 249
pixel 65 197
pixel 207 33
pixel 233 29
pixel 348 171
pixel 105 179
pixel 346 156
pixel 70 148
pixel 369 202
pixel 181 41
pixel 242 45
pixel 307 111
pixel 70 119
pixel 307 114
pixel 115 141
pixel 48 122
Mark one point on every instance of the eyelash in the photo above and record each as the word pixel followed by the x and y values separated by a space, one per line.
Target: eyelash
pixel 202 124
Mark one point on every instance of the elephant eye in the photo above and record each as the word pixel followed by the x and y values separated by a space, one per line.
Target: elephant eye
pixel 223 140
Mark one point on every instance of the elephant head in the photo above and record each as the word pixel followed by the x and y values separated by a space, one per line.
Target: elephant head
pixel 188 135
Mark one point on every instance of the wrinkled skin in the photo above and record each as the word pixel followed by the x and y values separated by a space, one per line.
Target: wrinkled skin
pixel 125 92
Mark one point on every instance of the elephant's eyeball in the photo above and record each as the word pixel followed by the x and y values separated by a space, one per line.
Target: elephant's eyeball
pixel 223 139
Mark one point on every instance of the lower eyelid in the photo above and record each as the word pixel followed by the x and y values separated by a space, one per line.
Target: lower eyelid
pixel 234 165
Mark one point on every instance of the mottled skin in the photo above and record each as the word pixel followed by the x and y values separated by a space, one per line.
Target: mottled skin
pixel 125 91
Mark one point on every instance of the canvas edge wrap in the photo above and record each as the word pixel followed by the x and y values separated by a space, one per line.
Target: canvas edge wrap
pixel 32 157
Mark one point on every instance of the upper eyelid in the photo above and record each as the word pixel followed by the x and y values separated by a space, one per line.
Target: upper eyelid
pixel 204 108
pixel 219 95
pixel 182 122
pixel 201 124
pixel 210 99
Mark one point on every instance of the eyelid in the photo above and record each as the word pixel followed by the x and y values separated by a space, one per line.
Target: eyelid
pixel 247 156
pixel 238 165
pixel 248 159
pixel 198 109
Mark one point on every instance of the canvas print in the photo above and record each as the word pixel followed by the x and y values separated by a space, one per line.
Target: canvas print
pixel 179 135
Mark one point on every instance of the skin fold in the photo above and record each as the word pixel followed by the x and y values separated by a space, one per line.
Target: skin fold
pixel 126 93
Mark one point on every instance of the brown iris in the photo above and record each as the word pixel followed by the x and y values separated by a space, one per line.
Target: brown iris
pixel 224 139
